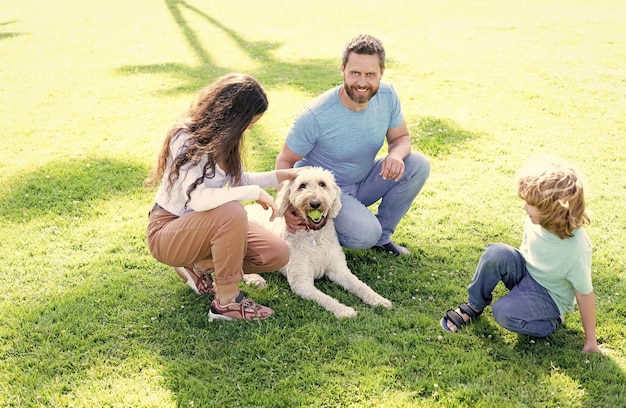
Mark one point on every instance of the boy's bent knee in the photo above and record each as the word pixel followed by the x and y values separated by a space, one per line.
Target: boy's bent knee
pixel 507 316
pixel 497 252
pixel 502 315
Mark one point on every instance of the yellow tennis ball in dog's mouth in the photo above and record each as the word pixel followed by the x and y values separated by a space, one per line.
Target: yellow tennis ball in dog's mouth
pixel 315 214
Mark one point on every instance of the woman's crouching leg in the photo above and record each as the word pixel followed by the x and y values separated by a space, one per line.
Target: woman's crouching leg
pixel 266 251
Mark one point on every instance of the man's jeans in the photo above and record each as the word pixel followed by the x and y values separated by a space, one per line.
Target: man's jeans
pixel 357 227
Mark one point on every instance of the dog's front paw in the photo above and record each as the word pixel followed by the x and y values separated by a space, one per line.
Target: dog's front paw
pixel 379 301
pixel 345 312
pixel 254 279
pixel 384 303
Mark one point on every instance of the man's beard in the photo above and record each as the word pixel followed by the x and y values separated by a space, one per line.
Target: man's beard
pixel 361 98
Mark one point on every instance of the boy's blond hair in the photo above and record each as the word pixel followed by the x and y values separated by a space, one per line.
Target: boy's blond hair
pixel 555 188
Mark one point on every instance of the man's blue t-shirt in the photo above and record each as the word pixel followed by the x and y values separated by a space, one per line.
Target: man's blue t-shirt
pixel 346 142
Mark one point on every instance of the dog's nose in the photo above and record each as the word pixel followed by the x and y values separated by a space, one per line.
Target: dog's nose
pixel 315 203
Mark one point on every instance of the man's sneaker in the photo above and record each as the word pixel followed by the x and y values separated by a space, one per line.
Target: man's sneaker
pixel 198 280
pixel 240 308
pixel 392 248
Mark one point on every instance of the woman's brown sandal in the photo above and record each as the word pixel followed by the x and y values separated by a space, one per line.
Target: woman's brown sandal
pixel 198 280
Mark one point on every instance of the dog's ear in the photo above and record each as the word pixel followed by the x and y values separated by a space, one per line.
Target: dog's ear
pixel 334 209
pixel 282 198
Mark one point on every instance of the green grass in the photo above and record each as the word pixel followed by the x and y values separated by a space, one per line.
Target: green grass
pixel 88 90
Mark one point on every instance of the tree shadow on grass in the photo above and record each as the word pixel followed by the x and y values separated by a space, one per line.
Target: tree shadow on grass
pixel 311 75
pixel 69 342
pixel 68 188
pixel 597 374
pixel 11 34
pixel 101 333
pixel 552 364
pixel 439 137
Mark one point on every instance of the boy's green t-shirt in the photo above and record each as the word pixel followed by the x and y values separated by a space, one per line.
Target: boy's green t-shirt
pixel 559 265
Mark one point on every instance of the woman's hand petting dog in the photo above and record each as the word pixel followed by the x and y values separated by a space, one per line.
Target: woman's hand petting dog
pixel 267 202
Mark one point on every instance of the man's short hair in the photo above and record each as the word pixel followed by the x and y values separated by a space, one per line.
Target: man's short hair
pixel 364 44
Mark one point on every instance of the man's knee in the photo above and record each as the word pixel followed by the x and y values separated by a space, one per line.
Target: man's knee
pixel 360 238
pixel 357 227
pixel 417 164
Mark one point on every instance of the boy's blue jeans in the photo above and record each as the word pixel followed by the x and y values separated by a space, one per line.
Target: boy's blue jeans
pixel 357 227
pixel 528 308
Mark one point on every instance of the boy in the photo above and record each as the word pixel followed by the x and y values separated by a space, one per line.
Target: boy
pixel 552 267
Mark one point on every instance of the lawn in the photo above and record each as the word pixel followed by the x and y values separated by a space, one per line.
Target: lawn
pixel 88 90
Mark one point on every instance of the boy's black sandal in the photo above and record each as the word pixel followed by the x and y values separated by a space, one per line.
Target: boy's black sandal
pixel 468 310
pixel 456 319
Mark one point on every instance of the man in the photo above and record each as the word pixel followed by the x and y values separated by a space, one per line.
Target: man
pixel 343 130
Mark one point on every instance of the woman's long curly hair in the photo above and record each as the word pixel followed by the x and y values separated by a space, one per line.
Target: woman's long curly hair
pixel 554 188
pixel 216 122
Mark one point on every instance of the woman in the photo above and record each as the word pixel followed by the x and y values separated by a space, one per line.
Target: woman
pixel 198 224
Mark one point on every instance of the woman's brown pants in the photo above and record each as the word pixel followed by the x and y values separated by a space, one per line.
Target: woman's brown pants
pixel 220 239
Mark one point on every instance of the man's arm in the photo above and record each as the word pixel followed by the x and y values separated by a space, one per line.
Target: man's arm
pixel 587 308
pixel 398 147
pixel 286 158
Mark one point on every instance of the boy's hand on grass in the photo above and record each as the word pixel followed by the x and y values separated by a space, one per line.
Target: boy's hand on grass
pixel 592 348
pixel 599 348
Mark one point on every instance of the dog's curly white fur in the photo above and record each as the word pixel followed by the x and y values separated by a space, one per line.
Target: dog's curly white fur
pixel 314 252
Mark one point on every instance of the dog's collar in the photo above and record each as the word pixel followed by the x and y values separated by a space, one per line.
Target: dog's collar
pixel 315 227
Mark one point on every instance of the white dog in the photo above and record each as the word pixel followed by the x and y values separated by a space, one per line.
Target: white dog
pixel 314 252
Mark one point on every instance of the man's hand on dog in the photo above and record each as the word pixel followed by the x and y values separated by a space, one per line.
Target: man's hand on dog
pixel 293 220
